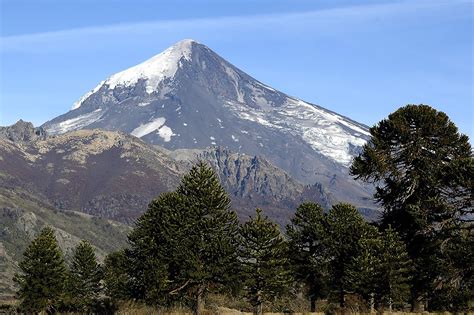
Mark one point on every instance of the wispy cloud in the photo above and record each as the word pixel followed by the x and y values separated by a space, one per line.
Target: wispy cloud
pixel 327 19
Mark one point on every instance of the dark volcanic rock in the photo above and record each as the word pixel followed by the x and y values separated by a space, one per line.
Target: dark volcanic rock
pixel 114 175
pixel 22 131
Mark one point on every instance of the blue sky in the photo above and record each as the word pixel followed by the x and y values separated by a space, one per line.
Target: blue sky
pixel 362 59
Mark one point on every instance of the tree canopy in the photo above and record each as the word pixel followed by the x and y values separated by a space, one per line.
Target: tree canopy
pixel 42 274
pixel 423 170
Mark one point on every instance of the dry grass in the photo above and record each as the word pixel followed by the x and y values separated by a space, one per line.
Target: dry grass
pixel 213 307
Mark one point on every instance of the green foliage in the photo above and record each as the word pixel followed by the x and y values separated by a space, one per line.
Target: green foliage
pixel 423 169
pixel 210 229
pixel 85 275
pixel 115 275
pixel 363 270
pixel 307 235
pixel 264 257
pixel 456 291
pixel 185 243
pixel 345 229
pixel 154 249
pixel 42 275
pixel 394 270
pixel 381 269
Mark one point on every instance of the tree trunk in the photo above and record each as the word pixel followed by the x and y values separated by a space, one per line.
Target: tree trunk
pixel 199 307
pixel 372 303
pixel 259 309
pixel 417 304
pixel 259 304
pixel 342 299
pixel 313 303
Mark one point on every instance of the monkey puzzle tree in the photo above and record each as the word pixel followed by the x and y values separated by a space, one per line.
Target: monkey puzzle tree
pixel 42 274
pixel 423 169
pixel 265 263
pixel 186 242
pixel 308 244
pixel 85 275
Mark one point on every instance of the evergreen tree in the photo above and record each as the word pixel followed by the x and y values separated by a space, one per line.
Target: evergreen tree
pixel 264 257
pixel 115 275
pixel 185 243
pixel 345 228
pixel 394 270
pixel 423 169
pixel 307 235
pixel 381 270
pixel 42 274
pixel 155 247
pixel 456 291
pixel 209 234
pixel 85 277
pixel 363 271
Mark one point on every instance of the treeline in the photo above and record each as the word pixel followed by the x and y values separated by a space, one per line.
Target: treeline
pixel 189 242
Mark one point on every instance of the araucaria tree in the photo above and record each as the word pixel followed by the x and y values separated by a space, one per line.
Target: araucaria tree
pixel 154 248
pixel 423 169
pixel 42 274
pixel 210 233
pixel 85 276
pixel 380 272
pixel 264 258
pixel 345 228
pixel 308 243
pixel 115 271
pixel 186 242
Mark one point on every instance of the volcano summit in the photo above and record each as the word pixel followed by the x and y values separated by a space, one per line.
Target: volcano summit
pixel 188 97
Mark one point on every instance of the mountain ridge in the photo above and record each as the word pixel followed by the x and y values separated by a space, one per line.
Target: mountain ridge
pixel 115 175
pixel 198 100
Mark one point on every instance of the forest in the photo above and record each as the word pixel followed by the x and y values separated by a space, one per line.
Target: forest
pixel 189 247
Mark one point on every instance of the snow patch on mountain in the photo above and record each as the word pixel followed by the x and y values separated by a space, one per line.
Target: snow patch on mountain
pixel 235 80
pixel 327 133
pixel 147 128
pixel 166 133
pixel 75 123
pixel 78 103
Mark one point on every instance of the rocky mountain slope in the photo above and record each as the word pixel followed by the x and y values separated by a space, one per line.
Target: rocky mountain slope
pixel 114 175
pixel 77 181
pixel 188 97
pixel 23 213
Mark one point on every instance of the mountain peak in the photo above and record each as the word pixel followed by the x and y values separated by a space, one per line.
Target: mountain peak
pixel 187 42
pixel 153 71
pixel 188 97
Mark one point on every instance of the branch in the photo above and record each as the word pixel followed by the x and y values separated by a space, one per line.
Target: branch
pixel 175 291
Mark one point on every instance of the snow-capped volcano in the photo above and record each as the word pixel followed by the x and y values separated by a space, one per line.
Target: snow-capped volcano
pixel 153 71
pixel 189 97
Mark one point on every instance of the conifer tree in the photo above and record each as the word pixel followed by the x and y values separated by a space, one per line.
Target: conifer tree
pixel 307 235
pixel 185 243
pixel 42 274
pixel 363 270
pixel 345 228
pixel 155 245
pixel 393 271
pixel 264 257
pixel 423 169
pixel 115 275
pixel 209 234
pixel 380 272
pixel 85 275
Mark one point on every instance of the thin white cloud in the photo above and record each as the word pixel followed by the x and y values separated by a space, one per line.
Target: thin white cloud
pixel 51 41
